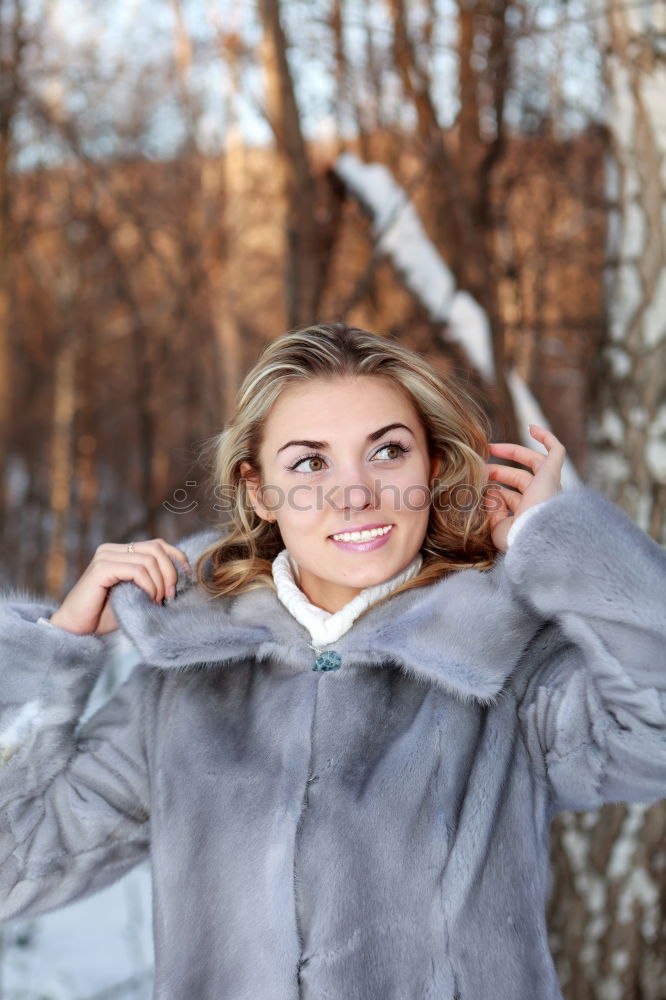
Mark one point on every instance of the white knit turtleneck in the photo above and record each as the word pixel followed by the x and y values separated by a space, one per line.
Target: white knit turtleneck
pixel 327 626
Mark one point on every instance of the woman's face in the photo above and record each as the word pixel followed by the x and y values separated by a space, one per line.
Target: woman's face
pixel 340 456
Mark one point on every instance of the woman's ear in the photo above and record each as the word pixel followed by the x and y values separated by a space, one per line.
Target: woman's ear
pixel 252 484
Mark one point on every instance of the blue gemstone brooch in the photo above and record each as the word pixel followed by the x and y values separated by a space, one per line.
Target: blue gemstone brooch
pixel 330 660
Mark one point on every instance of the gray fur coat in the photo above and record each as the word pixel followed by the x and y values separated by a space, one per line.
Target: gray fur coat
pixel 375 832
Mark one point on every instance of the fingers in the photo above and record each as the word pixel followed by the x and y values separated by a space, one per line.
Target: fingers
pixel 507 498
pixel 176 554
pixel 510 497
pixel 528 487
pixel 158 546
pixel 143 574
pixel 518 453
pixel 150 561
pixel 159 550
pixel 508 474
pixel 526 456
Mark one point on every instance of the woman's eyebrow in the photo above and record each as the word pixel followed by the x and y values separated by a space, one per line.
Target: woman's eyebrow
pixel 324 444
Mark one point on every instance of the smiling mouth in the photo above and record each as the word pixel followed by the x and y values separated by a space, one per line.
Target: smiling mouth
pixel 361 536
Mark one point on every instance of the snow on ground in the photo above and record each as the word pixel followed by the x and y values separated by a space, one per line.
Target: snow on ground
pixel 95 949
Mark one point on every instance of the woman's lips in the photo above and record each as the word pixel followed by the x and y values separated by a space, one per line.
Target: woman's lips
pixel 372 543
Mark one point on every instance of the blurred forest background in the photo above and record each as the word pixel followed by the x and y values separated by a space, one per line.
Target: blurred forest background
pixel 183 180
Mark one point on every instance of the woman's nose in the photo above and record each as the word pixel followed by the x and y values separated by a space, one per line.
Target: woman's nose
pixel 356 491
pixel 357 497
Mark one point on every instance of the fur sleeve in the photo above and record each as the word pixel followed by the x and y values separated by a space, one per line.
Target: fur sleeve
pixel 593 709
pixel 73 801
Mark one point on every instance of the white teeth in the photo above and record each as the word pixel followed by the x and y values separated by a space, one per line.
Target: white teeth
pixel 361 536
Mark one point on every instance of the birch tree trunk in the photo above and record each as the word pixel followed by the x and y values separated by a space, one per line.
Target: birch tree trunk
pixel 629 426
pixel 607 911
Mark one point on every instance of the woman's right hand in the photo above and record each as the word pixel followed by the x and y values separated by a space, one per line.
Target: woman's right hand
pixel 87 607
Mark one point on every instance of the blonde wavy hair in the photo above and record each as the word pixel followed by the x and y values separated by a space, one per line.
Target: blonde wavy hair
pixel 457 432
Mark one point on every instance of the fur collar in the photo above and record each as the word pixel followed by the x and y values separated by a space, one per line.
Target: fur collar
pixel 465 633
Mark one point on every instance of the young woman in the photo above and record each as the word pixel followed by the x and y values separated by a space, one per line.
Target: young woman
pixel 359 706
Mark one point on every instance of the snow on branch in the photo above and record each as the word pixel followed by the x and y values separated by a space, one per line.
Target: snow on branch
pixel 399 235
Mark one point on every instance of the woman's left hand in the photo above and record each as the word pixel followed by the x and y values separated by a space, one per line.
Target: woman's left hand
pixel 533 487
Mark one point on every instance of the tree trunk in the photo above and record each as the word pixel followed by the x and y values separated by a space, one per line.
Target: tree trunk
pixel 11 52
pixel 312 214
pixel 609 899
pixel 629 422
pixel 62 470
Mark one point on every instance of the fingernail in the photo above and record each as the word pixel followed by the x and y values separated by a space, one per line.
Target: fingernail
pixel 171 592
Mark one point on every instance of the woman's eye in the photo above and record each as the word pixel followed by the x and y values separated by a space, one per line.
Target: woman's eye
pixel 318 462
pixel 396 449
